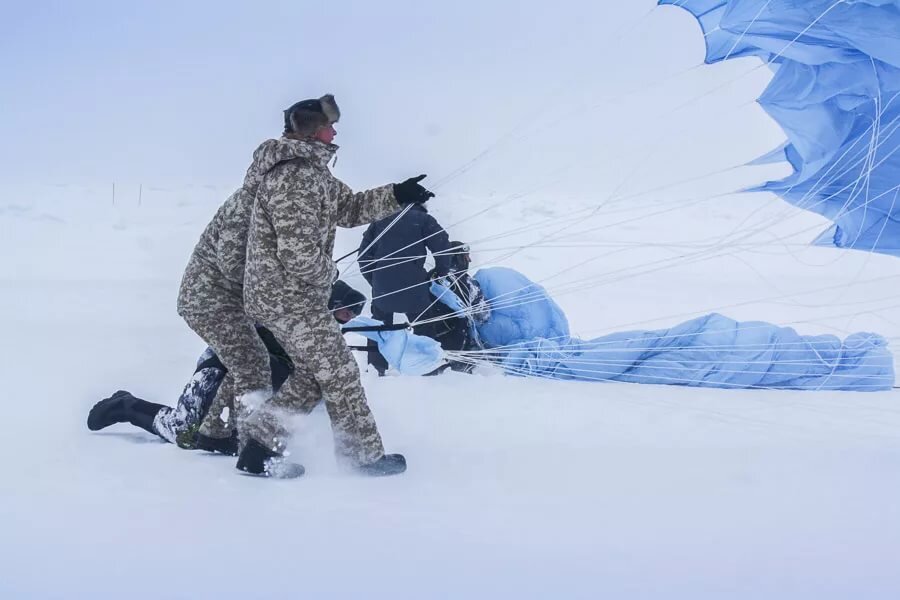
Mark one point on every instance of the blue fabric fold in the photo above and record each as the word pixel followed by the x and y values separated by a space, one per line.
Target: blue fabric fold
pixel 531 339
pixel 836 95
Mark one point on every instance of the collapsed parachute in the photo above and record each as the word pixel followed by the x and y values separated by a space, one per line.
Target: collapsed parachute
pixel 527 334
pixel 531 338
pixel 836 94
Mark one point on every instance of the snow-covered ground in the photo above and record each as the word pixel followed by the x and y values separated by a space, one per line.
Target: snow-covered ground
pixel 516 488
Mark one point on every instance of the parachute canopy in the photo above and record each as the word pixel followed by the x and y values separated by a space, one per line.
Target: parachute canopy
pixel 529 337
pixel 836 95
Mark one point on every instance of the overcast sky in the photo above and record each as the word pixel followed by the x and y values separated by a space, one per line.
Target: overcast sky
pixel 182 92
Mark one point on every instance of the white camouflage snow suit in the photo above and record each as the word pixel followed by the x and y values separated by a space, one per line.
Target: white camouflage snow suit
pixel 287 282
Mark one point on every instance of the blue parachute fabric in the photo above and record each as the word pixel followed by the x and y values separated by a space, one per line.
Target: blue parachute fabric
pixel 521 310
pixel 709 351
pixel 836 95
pixel 407 353
pixel 447 297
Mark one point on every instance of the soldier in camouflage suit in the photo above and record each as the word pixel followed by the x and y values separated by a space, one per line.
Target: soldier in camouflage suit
pixel 289 270
pixel 211 295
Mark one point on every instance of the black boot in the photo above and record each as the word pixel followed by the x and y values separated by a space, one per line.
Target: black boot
pixel 122 407
pixel 389 464
pixel 256 459
pixel 228 446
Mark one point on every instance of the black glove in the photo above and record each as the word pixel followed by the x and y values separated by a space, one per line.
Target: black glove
pixel 411 192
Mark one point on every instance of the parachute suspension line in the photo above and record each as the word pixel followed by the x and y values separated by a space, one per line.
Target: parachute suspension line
pixel 610 225
pixel 608 100
pixel 593 371
pixel 868 174
pixel 518 196
pixel 468 311
pixel 433 302
pixel 386 229
pixel 470 217
pixel 517 301
pixel 802 33
pixel 741 37
pixel 789 44
pixel 747 236
pixel 611 353
pixel 346 256
pixel 615 198
pixel 576 216
pixel 663 365
pixel 605 279
pixel 873 151
pixel 779 54
pixel 511 135
pixel 734 305
pixel 522 194
pixel 429 283
pixel 590 282
pixel 895 124
pixel 763 65
pixel 860 186
pixel 386 256
pixel 616 370
pixel 427 308
pixel 814 189
pixel 786 214
pixel 596 346
pixel 687 259
pixel 406 259
pixel 595 375
pixel 676 259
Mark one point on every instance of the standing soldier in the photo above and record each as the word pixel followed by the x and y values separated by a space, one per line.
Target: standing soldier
pixel 211 295
pixel 289 271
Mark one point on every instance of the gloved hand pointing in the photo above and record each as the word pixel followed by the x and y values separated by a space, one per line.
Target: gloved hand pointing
pixel 411 192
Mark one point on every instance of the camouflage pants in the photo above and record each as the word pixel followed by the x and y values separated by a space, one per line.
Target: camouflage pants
pixel 213 307
pixel 218 424
pixel 324 369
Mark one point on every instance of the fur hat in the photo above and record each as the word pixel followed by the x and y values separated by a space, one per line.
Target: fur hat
pixel 305 117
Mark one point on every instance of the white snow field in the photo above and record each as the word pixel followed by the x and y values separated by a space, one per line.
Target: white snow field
pixel 517 488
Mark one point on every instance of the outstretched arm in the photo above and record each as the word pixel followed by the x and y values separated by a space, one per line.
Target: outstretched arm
pixel 359 208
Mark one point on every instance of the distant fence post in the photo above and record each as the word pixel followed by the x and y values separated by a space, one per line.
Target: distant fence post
pixel 140 193
pixel 114 193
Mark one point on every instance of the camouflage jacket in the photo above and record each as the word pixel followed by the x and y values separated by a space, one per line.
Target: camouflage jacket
pixel 224 241
pixel 298 206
